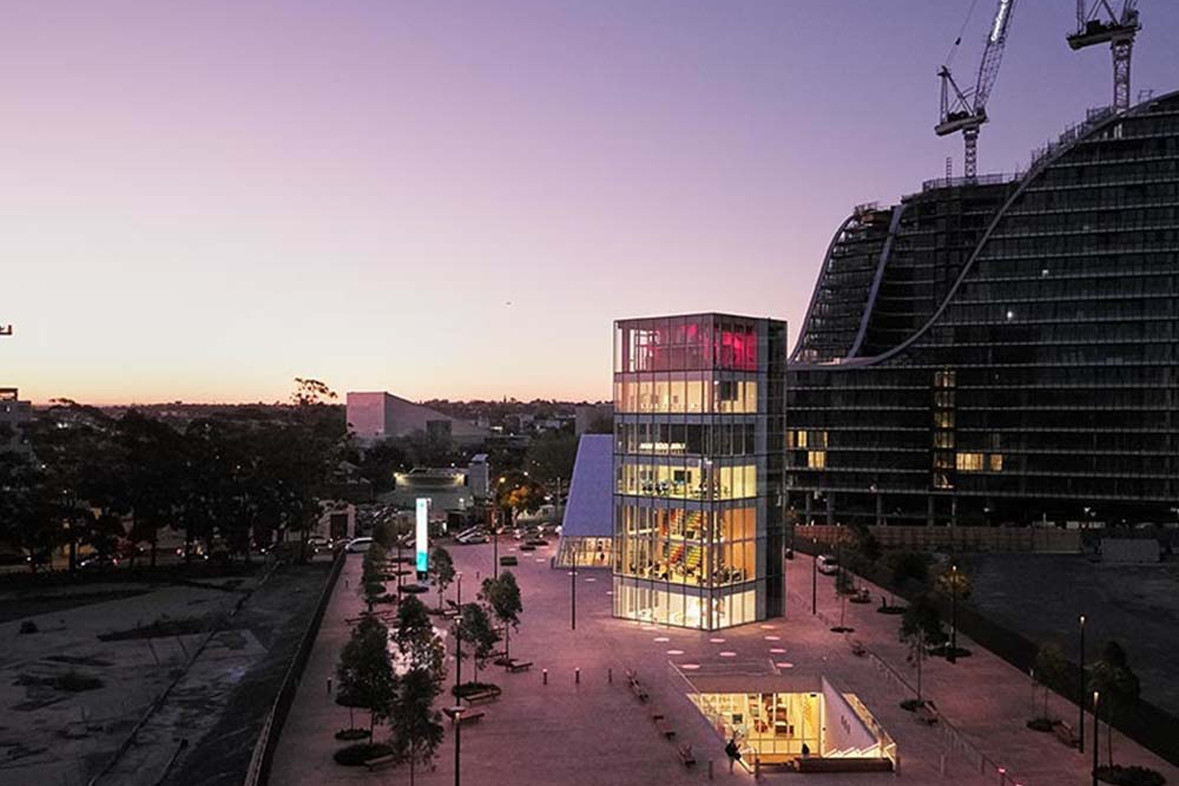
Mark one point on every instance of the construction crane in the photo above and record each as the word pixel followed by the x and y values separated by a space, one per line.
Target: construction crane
pixel 1098 24
pixel 967 111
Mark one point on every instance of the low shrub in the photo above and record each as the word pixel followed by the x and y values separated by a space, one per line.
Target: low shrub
pixel 28 626
pixel 1130 776
pixel 911 705
pixel 467 688
pixel 348 735
pixel 357 755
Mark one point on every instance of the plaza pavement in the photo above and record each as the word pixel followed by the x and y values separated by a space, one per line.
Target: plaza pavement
pixel 598 733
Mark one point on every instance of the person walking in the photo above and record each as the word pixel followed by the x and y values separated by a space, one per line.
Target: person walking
pixel 733 752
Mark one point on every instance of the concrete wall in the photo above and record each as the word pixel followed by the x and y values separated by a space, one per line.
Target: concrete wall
pixel 843 728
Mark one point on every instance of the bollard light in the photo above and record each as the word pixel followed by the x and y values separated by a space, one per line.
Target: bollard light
pixel 577 676
pixel 544 676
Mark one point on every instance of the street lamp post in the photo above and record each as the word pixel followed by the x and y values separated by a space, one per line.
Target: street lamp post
pixel 1081 694
pixel 952 657
pixel 814 574
pixel 458 635
pixel 573 594
pixel 457 715
pixel 1095 745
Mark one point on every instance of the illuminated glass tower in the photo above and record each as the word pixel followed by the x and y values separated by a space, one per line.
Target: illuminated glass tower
pixel 699 494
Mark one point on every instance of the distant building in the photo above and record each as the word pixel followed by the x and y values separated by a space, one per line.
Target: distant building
pixel 377 416
pixel 479 476
pixel 447 489
pixel 593 417
pixel 14 415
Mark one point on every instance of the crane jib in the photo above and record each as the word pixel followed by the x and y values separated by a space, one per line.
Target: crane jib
pixel 1000 20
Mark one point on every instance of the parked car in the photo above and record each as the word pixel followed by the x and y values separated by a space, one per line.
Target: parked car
pixel 359 545
pixel 99 562
pixel 479 536
pixel 827 565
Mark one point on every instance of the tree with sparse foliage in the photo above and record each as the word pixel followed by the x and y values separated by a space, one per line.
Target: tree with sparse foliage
pixel 502 595
pixel 921 628
pixel 1117 685
pixel 416 640
pixel 442 571
pixel 1051 668
pixel 951 581
pixel 417 727
pixel 477 632
pixel 365 675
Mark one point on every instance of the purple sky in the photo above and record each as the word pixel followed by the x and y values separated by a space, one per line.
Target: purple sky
pixel 203 200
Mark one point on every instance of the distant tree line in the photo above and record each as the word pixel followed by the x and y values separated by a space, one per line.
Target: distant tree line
pixel 241 476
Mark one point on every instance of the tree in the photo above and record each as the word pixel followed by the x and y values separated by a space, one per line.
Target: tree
pixel 416 724
pixel 908 567
pixel 416 640
pixel 1117 685
pixel 1051 668
pixel 442 570
pixel 502 595
pixel 921 628
pixel 517 492
pixel 551 456
pixel 477 632
pixel 950 580
pixel 372 574
pixel 365 673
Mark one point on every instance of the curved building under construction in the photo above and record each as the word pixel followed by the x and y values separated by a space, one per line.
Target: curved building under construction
pixel 1001 350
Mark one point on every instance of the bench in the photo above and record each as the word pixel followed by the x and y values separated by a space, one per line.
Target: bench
pixel 515 666
pixel 1065 734
pixel 468 717
pixel 639 691
pixel 490 694
pixel 664 729
pixel 926 715
pixel 685 752
pixel 380 761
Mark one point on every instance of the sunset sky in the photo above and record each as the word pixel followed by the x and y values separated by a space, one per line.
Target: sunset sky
pixel 204 200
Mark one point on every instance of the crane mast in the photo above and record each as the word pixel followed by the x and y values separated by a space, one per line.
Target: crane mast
pixel 966 111
pixel 1098 24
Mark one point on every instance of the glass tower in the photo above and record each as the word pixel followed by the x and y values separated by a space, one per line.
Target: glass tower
pixel 699 494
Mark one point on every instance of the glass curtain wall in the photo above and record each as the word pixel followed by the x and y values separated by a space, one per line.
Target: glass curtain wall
pixel 692 404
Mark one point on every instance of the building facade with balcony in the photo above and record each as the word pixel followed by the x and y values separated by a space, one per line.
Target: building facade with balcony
pixel 1002 350
pixel 699 494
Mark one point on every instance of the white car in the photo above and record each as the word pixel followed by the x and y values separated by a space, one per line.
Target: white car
pixel 359 545
pixel 827 565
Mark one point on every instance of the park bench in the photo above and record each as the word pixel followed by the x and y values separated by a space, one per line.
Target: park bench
pixel 381 761
pixel 685 752
pixel 488 694
pixel 515 665
pixel 664 728
pixel 925 714
pixel 508 561
pixel 468 717
pixel 639 691
pixel 1065 734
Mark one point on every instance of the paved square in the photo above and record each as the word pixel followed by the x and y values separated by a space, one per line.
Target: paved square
pixel 596 732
